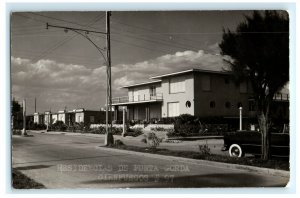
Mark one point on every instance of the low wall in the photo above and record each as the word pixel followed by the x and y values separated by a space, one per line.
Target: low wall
pixel 164 126
pixel 93 126
pixel 149 126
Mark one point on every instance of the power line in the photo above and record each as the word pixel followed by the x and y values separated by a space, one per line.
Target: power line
pixel 57 45
pixel 35 33
pixel 67 21
pixel 173 44
pixel 24 16
pixel 52 48
pixel 131 44
pixel 181 45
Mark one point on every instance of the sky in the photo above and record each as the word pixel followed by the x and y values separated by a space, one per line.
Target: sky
pixel 63 70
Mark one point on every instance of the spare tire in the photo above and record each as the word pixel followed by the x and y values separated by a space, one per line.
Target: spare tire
pixel 235 150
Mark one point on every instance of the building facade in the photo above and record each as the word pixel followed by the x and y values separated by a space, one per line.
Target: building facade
pixel 38 118
pixel 70 117
pixel 195 92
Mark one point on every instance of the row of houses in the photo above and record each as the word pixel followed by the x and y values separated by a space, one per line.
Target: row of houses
pixel 69 117
pixel 203 93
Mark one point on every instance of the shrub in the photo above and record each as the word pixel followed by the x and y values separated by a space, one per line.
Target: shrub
pixel 188 125
pixel 16 132
pixel 36 126
pixel 102 130
pixel 134 131
pixel 59 126
pixel 78 126
pixel 152 140
pixel 166 121
pixel 99 130
pixel 204 149
pixel 118 143
pixel 158 129
pixel 117 130
pixel 132 122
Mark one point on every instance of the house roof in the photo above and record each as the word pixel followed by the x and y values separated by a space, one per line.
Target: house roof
pixel 143 83
pixel 188 71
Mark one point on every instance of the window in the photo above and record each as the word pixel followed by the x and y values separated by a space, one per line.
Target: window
pixel 60 117
pixel 173 109
pixel 152 91
pixel 177 85
pixel 251 105
pixel 243 87
pixel 92 119
pixel 205 82
pixel 136 96
pixel 227 105
pixel 212 104
pixel 188 104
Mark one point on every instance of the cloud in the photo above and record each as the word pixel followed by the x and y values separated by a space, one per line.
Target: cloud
pixel 138 72
pixel 57 85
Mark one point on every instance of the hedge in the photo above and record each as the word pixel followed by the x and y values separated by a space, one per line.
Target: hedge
pixel 188 125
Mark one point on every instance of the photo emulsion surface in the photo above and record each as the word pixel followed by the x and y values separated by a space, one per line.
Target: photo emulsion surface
pixel 149 99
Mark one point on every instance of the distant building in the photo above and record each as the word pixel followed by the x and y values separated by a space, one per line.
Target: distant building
pixel 38 118
pixel 62 116
pixel 48 118
pixel 54 117
pixel 89 116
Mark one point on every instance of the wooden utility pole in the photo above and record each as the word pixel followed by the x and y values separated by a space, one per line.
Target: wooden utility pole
pixel 109 137
pixel 109 140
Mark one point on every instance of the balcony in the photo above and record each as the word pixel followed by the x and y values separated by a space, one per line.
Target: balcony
pixel 143 98
pixel 281 97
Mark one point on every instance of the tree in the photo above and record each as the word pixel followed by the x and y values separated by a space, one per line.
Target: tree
pixel 16 110
pixel 259 52
pixel 16 107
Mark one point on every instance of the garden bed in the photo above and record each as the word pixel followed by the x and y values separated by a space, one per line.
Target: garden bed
pixel 249 161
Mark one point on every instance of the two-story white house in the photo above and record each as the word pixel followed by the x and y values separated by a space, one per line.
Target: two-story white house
pixel 194 91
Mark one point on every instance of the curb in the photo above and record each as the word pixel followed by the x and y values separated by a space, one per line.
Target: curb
pixel 196 138
pixel 68 133
pixel 251 169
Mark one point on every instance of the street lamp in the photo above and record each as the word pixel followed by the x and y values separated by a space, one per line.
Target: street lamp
pixel 109 137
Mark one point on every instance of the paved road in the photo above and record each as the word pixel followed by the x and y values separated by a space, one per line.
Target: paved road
pixel 60 161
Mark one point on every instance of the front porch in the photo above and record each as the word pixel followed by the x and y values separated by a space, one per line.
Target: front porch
pixel 140 111
pixel 139 106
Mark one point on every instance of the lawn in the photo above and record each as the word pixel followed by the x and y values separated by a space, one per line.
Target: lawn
pixel 280 164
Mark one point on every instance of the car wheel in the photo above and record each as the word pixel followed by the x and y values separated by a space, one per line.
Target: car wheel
pixel 235 151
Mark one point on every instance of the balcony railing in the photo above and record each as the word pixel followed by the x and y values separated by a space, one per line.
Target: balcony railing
pixel 138 98
pixel 281 97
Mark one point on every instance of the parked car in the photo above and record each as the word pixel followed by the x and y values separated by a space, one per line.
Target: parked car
pixel 241 142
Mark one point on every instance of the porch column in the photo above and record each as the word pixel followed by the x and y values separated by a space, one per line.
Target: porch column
pixel 147 113
pixel 116 113
pixel 124 122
